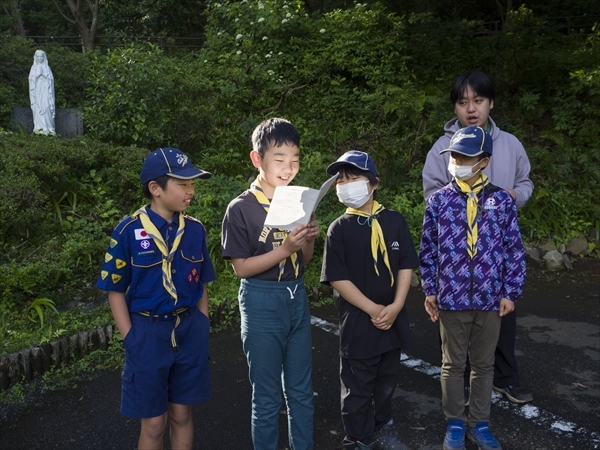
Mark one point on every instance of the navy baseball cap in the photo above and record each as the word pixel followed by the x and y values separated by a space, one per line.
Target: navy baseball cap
pixel 358 159
pixel 171 162
pixel 470 141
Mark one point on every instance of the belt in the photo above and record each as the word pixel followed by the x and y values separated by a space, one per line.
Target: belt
pixel 169 316
pixel 162 317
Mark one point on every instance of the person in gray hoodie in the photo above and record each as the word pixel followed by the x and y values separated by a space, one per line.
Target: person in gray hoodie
pixel 473 97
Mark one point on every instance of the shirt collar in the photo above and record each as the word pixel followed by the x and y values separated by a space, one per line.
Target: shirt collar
pixel 160 222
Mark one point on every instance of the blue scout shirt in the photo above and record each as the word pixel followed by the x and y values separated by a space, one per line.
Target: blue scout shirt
pixel 133 264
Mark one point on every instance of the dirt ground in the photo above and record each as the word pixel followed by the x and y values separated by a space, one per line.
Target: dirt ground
pixel 558 350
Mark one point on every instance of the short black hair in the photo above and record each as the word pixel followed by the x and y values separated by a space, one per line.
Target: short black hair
pixel 274 132
pixel 478 81
pixel 347 170
pixel 161 181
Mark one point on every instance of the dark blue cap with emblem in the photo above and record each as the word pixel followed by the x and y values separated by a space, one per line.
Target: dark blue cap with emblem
pixel 356 158
pixel 171 162
pixel 470 141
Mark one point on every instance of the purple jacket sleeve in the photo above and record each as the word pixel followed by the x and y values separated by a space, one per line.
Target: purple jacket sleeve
pixel 429 248
pixel 514 257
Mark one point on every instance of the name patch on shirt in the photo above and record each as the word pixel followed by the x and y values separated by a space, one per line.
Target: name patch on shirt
pixel 264 234
pixel 279 235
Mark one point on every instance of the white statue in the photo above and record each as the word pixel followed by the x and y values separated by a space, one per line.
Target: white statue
pixel 41 95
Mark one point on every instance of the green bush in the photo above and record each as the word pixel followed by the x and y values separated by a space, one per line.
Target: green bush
pixel 62 201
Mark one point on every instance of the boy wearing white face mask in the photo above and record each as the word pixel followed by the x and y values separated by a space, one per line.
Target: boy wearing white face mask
pixel 368 260
pixel 473 271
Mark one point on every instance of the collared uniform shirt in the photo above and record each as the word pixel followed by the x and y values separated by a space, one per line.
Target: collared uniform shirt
pixel 133 265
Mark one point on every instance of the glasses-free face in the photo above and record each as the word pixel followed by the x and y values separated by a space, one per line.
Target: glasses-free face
pixel 473 109
pixel 277 167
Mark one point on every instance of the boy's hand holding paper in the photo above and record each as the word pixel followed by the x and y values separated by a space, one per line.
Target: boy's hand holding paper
pixel 292 206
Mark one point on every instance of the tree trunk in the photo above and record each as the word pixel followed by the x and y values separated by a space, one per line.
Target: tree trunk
pixel 12 8
pixel 87 33
pixel 505 13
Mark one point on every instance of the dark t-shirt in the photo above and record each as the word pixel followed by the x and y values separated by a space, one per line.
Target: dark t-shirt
pixel 348 256
pixel 243 235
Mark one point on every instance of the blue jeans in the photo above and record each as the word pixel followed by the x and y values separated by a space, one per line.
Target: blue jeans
pixel 276 336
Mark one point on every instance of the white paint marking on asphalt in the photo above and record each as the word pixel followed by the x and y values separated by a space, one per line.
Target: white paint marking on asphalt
pixel 324 325
pixel 528 411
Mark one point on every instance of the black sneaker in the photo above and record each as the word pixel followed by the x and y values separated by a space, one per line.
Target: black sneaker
pixel 516 394
pixel 386 439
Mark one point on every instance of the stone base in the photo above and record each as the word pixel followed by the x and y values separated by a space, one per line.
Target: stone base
pixel 68 121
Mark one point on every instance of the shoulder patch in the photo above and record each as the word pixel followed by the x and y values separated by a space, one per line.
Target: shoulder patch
pixel 128 221
pixel 193 219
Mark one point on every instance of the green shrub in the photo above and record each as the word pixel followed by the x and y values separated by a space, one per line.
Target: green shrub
pixel 62 202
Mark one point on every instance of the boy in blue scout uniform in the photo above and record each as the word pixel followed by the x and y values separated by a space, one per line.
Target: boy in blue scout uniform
pixel 276 332
pixel 155 269
pixel 368 259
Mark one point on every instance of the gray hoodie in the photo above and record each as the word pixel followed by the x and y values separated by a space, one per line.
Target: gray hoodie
pixel 508 168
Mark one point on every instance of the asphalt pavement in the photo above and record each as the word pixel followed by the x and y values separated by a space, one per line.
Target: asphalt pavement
pixel 558 350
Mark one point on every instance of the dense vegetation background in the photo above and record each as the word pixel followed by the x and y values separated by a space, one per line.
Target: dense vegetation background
pixel 373 76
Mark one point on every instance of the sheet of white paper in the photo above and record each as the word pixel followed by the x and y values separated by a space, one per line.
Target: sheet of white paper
pixel 292 206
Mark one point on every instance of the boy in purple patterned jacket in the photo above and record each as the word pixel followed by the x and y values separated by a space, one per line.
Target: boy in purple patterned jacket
pixel 473 270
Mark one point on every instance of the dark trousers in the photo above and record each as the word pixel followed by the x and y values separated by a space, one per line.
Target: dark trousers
pixel 367 387
pixel 505 365
pixel 506 372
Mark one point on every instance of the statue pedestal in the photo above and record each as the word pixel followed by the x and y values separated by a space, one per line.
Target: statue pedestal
pixel 68 121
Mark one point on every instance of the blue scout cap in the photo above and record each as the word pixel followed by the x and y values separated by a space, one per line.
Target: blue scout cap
pixel 358 159
pixel 470 141
pixel 171 162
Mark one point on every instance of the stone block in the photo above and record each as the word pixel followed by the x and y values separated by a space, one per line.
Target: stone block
pixel 547 246
pixel 68 121
pixel 554 260
pixel 533 255
pixel 414 281
pixel 567 262
pixel 577 246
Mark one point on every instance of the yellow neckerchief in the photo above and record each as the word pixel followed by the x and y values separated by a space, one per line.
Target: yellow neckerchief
pixel 377 240
pixel 163 246
pixel 472 210
pixel 256 189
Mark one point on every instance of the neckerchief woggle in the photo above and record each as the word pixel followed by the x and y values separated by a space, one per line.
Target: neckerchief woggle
pixel 256 189
pixel 472 210
pixel 377 240
pixel 162 245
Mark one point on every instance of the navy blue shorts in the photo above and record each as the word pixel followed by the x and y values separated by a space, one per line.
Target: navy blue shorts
pixel 154 375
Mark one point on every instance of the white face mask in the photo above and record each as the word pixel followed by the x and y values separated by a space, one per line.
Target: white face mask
pixel 462 172
pixel 354 194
